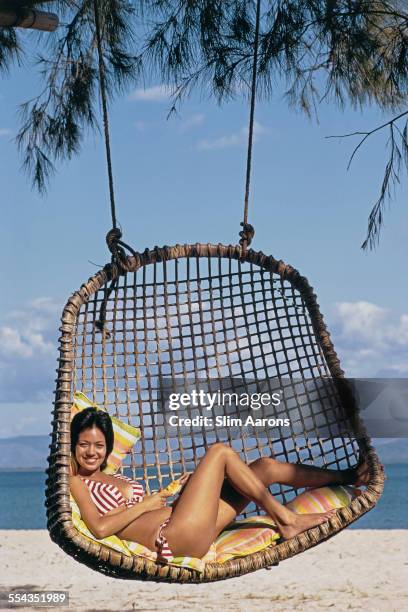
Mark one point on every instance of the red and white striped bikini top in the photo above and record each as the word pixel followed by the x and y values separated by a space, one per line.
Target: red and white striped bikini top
pixel 107 497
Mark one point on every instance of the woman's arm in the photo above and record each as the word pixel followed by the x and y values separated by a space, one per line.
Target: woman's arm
pixel 117 519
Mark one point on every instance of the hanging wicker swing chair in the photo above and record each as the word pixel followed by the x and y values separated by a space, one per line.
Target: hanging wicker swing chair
pixel 201 312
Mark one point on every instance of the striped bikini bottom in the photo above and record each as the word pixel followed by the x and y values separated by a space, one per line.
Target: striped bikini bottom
pixel 163 549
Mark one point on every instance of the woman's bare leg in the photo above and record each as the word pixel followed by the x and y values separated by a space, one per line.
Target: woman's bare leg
pixel 231 502
pixel 193 524
pixel 300 475
pixel 271 471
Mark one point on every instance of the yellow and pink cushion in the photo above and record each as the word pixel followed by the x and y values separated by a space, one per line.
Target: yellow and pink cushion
pixel 125 435
pixel 254 534
pixel 323 499
pixel 240 538
pixel 245 537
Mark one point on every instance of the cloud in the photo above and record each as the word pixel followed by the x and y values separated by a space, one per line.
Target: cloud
pixel 183 125
pixel 370 340
pixel 12 343
pixel 28 350
pixel 5 132
pixel 236 139
pixel 158 93
pixel 141 126
pixel 192 121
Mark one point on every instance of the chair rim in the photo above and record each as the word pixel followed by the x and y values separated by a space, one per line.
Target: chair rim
pixel 101 558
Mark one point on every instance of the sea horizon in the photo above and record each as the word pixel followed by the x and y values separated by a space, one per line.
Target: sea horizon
pixel 23 500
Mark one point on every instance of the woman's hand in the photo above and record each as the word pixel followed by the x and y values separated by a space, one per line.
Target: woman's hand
pixel 154 501
pixel 176 486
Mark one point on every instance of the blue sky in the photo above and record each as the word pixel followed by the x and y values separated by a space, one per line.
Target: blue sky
pixel 182 180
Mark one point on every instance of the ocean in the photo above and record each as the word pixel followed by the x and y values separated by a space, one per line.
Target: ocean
pixel 22 501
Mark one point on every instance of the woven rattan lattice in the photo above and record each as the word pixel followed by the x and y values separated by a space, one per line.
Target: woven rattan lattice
pixel 211 313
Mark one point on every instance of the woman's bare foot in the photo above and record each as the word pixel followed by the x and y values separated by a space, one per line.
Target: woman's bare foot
pixel 358 476
pixel 303 522
pixel 361 474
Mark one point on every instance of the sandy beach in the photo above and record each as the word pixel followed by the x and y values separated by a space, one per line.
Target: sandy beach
pixel 356 570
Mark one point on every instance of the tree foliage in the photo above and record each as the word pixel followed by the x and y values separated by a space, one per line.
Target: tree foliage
pixel 346 51
pixel 53 123
pixel 343 51
pixel 350 50
pixel 9 48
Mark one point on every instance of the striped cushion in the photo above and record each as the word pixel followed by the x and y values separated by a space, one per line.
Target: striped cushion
pixel 323 499
pixel 240 538
pixel 125 435
pixel 245 537
pixel 248 536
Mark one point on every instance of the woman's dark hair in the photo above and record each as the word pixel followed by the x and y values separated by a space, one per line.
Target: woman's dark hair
pixel 87 419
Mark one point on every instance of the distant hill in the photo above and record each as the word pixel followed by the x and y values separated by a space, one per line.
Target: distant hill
pixel 31 452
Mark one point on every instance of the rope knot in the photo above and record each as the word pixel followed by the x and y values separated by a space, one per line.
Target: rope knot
pixel 116 247
pixel 247 233
pixel 112 239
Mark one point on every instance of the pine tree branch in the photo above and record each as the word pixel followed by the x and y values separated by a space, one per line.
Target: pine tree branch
pixel 54 122
pixel 10 48
pixel 391 178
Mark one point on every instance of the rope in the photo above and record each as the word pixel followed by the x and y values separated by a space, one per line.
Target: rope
pixel 118 249
pixel 113 238
pixel 102 86
pixel 248 231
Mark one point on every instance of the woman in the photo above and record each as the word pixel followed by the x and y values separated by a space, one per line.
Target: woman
pixel 219 489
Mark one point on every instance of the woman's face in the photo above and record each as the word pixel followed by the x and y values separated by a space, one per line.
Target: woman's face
pixel 90 451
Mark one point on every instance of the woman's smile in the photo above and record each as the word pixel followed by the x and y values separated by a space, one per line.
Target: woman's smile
pixel 90 450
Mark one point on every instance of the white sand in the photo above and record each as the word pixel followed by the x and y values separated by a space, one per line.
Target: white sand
pixel 356 570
